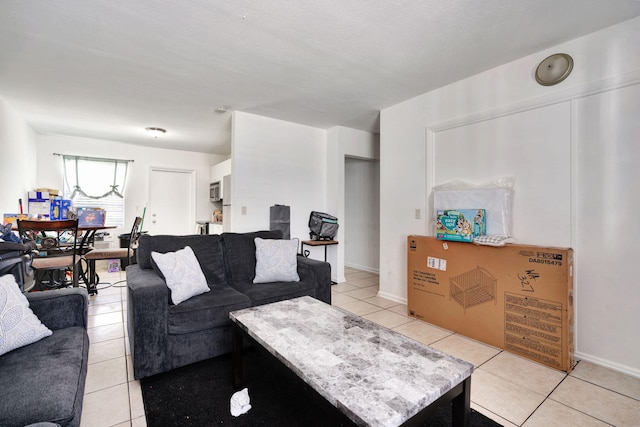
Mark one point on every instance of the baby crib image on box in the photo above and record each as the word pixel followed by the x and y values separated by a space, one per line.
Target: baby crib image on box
pixel 473 287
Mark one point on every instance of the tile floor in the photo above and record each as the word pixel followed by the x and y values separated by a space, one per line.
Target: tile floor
pixel 509 389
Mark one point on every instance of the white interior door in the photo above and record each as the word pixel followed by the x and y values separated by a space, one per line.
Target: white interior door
pixel 171 207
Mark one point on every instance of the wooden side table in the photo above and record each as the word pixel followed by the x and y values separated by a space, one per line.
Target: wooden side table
pixel 324 243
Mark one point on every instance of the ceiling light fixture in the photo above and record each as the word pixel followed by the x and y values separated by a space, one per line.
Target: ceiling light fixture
pixel 156 132
pixel 222 109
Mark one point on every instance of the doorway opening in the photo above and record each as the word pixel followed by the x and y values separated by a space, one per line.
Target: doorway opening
pixel 362 214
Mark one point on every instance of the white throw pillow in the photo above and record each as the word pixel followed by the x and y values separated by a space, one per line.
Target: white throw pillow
pixel 18 325
pixel 276 261
pixel 182 272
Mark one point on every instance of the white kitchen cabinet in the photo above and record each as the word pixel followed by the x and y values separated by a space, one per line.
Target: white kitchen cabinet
pixel 219 170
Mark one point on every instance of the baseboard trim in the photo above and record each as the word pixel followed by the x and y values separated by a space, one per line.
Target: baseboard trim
pixel 363 268
pixel 392 297
pixel 628 370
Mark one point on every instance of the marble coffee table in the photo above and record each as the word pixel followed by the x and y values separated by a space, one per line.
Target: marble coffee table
pixel 375 376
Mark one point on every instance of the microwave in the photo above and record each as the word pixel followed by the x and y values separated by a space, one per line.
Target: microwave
pixel 215 195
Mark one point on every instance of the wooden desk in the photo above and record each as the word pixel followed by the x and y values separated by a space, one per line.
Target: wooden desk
pixel 87 236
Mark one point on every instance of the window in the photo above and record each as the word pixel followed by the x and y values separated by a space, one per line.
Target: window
pixel 92 182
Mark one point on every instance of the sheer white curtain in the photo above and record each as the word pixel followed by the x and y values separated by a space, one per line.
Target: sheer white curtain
pixel 97 182
pixel 95 177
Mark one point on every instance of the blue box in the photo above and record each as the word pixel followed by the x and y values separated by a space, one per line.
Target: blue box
pixel 91 217
pixel 65 207
pixel 55 208
pixel 460 225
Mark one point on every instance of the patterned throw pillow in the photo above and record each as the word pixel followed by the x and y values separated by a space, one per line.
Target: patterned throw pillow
pixel 18 325
pixel 493 240
pixel 276 261
pixel 182 273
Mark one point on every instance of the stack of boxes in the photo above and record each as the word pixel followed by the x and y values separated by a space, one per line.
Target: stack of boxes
pixel 42 203
pixel 46 203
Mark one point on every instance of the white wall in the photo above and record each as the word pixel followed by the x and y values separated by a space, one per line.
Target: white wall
pixel 342 143
pixel 276 162
pixel 607 199
pixel 412 161
pixel 362 214
pixel 17 154
pixel 50 172
pixel 534 146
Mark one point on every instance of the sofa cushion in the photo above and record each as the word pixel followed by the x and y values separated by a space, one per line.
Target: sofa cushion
pixel 182 273
pixel 276 260
pixel 264 293
pixel 18 325
pixel 34 392
pixel 206 311
pixel 207 248
pixel 241 253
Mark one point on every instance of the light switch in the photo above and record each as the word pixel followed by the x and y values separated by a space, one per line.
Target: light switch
pixel 244 210
pixel 417 213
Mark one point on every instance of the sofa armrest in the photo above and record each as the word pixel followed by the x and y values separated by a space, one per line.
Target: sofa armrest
pixel 147 314
pixel 60 308
pixel 320 273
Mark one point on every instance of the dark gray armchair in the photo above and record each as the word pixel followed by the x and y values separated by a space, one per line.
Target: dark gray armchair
pixel 44 382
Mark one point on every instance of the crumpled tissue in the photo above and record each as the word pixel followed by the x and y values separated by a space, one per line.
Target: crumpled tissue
pixel 240 402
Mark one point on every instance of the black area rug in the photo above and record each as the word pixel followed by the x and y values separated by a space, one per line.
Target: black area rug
pixel 199 395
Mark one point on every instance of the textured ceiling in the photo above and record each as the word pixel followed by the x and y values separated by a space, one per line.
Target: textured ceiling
pixel 107 69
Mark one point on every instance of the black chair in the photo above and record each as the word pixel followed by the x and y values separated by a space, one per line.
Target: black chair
pixel 15 258
pixel 55 259
pixel 110 253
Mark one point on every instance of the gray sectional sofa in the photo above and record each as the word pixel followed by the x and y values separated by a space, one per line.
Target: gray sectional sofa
pixel 43 383
pixel 163 336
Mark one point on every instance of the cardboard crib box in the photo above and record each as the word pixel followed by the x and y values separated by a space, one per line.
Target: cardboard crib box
pixel 460 225
pixel 518 298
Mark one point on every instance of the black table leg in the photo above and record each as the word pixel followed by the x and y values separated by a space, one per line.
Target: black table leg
pixel 238 375
pixel 88 276
pixel 461 406
pixel 92 285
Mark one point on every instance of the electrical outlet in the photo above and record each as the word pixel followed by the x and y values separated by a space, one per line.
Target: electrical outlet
pixel 418 213
pixel 244 210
